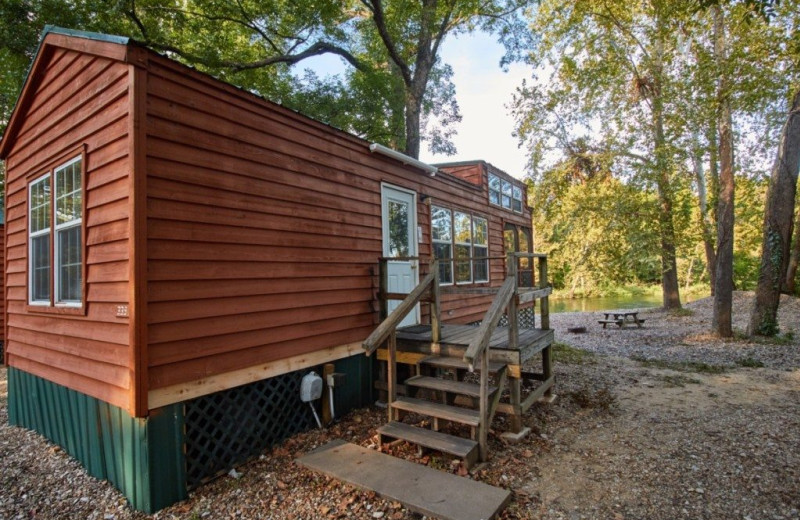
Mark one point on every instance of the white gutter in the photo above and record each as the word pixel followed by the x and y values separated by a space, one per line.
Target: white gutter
pixel 403 158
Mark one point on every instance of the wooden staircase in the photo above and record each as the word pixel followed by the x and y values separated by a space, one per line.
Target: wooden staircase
pixel 438 389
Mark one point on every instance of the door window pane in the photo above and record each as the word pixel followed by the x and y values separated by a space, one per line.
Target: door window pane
pixel 398 229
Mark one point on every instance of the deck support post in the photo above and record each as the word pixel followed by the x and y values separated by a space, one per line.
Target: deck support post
pixel 483 431
pixel 511 311
pixel 545 301
pixel 436 309
pixel 391 375
pixel 547 368
pixel 515 396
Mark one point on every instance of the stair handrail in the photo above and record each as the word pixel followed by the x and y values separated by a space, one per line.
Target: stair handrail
pixel 392 321
pixel 481 340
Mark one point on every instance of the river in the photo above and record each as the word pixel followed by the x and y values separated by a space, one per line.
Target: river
pixel 611 302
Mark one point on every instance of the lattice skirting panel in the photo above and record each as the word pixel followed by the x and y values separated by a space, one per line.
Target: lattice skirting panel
pixel 229 427
pixel 526 319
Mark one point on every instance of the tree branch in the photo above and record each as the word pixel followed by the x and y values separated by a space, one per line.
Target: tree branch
pixel 317 49
pixel 376 7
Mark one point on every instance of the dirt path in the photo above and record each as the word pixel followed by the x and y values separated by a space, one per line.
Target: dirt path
pixel 675 445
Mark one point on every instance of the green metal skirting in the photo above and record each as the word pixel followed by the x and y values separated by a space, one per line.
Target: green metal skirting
pixel 356 392
pixel 143 458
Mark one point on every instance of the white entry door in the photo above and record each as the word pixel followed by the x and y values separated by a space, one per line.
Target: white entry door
pixel 399 217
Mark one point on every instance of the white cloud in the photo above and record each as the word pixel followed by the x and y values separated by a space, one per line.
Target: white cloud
pixel 483 90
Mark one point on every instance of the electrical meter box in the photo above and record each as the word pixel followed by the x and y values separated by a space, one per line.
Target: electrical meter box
pixel 310 387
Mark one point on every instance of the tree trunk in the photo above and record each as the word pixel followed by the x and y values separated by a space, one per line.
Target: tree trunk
pixel 790 285
pixel 778 222
pixel 670 286
pixel 413 109
pixel 723 282
pixel 705 219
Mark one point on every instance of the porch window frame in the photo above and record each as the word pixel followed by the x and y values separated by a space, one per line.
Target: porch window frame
pixel 453 262
pixel 506 189
pixel 55 304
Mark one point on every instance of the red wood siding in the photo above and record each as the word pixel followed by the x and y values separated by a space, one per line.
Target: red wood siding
pixel 264 229
pixel 473 173
pixel 2 288
pixel 74 99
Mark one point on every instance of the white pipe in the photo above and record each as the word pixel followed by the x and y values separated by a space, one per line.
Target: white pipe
pixel 333 413
pixel 311 404
pixel 403 158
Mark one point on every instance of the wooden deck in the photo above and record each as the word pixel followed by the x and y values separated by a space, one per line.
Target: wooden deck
pixel 456 338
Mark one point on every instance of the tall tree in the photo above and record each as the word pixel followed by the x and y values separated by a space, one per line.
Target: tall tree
pixel 778 222
pixel 394 85
pixel 612 61
pixel 723 279
pixel 397 42
pixel 790 284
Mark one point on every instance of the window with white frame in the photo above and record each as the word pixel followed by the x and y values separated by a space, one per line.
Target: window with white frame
pixel 505 194
pixel 480 249
pixel 40 205
pixel 55 226
pixel 461 244
pixel 442 236
pixel 462 238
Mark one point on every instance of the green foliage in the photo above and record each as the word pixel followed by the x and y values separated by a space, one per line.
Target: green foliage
pixel 391 47
pixel 749 211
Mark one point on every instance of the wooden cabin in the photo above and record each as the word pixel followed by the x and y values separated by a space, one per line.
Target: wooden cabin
pixel 172 240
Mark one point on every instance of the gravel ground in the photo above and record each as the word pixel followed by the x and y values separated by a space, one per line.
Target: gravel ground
pixel 662 422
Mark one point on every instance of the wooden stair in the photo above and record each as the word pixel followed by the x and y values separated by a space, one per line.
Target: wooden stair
pixel 438 389
pixel 464 449
pixel 444 392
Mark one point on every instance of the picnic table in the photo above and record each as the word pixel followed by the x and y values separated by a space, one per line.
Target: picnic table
pixel 621 318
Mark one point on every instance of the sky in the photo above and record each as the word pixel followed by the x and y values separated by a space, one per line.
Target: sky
pixel 482 90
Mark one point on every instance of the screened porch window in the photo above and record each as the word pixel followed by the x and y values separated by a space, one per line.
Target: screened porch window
pixel 55 226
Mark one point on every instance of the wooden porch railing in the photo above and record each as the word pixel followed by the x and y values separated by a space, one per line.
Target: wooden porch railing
pixel 507 299
pixel 388 327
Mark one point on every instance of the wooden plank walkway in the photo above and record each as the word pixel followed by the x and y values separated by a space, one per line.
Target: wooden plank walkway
pixel 421 489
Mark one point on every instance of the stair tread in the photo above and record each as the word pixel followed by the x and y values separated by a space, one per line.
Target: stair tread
pixel 454 362
pixel 448 385
pixel 434 440
pixel 441 411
